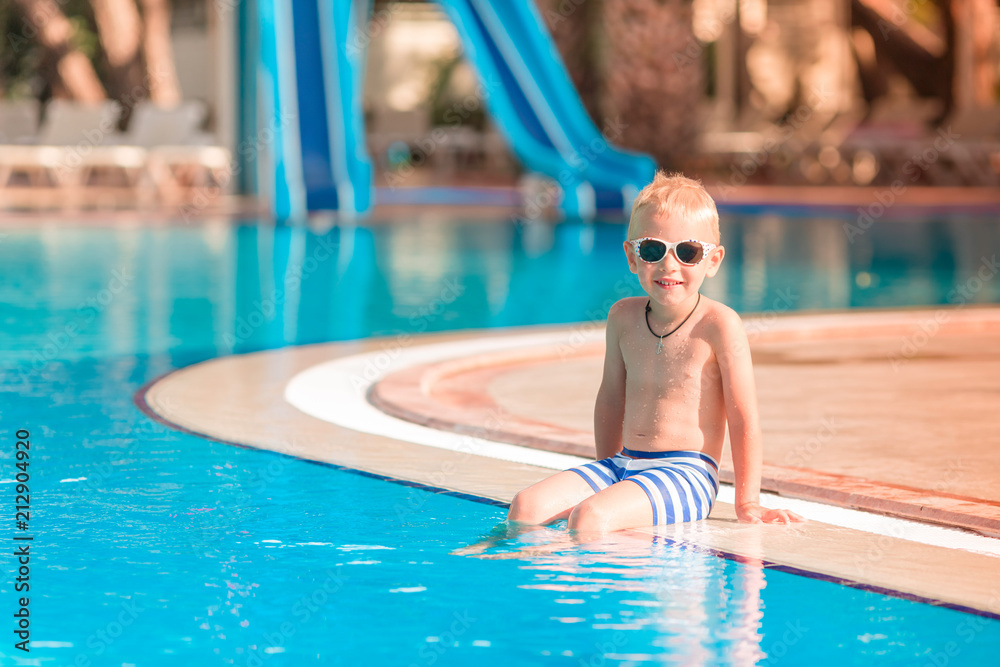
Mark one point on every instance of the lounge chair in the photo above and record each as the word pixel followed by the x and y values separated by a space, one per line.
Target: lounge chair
pixel 18 122
pixel 18 127
pixel 70 136
pixel 178 154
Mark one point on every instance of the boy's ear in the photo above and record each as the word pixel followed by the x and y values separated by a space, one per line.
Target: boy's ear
pixel 715 260
pixel 630 256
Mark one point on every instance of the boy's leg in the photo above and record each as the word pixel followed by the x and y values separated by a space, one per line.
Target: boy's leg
pixel 550 500
pixel 544 502
pixel 621 505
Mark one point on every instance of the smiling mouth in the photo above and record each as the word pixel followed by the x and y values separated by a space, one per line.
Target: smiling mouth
pixel 668 283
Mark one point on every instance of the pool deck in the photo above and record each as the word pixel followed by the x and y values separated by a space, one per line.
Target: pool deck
pixel 890 412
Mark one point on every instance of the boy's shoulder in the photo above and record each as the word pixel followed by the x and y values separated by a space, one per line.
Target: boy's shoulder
pixel 720 323
pixel 622 306
pixel 718 313
pixel 626 309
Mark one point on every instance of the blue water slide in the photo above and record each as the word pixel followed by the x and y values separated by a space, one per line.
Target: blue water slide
pixel 312 62
pixel 310 74
pixel 344 54
pixel 512 112
pixel 542 62
pixel 278 95
pixel 536 106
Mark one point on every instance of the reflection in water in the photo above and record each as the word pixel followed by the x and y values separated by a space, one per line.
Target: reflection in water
pixel 699 610
pixel 894 263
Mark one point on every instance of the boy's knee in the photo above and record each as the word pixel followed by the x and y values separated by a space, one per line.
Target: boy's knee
pixel 587 517
pixel 523 508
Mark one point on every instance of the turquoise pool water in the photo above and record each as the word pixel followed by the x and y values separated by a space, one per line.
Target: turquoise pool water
pixel 152 547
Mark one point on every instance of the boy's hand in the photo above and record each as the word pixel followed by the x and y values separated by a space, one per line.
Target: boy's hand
pixel 755 513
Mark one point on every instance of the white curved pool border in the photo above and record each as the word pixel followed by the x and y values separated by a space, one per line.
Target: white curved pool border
pixel 336 392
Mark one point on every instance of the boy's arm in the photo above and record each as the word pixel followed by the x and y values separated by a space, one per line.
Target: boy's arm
pixel 740 394
pixel 609 412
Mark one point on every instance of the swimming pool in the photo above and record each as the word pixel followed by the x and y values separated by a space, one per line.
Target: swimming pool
pixel 153 546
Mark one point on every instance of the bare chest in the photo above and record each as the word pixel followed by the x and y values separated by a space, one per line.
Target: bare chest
pixel 684 361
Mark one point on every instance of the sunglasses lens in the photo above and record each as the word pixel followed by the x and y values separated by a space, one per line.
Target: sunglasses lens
pixel 652 250
pixel 689 253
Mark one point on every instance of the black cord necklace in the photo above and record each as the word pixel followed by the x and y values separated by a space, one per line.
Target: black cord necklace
pixel 659 345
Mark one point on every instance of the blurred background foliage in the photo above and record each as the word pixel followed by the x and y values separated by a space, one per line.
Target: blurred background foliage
pixel 24 62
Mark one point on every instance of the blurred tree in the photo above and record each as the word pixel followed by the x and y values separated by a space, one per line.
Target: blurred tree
pixel 638 69
pixel 952 62
pixel 576 31
pixel 67 69
pixel 118 25
pixel 164 88
pixel 654 76
pixel 88 50
pixel 139 52
pixel 980 38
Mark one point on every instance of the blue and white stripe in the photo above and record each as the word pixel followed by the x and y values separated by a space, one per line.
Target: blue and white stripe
pixel 681 485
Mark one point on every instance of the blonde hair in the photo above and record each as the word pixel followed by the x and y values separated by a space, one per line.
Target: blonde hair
pixel 671 194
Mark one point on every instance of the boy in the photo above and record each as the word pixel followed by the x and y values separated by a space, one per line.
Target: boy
pixel 677 368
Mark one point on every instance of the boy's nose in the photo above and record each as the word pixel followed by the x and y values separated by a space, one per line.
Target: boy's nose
pixel 670 259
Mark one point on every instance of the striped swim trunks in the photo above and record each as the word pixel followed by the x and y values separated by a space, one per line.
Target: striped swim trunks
pixel 681 485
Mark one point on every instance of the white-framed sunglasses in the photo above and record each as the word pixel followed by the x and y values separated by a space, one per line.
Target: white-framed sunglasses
pixel 689 252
